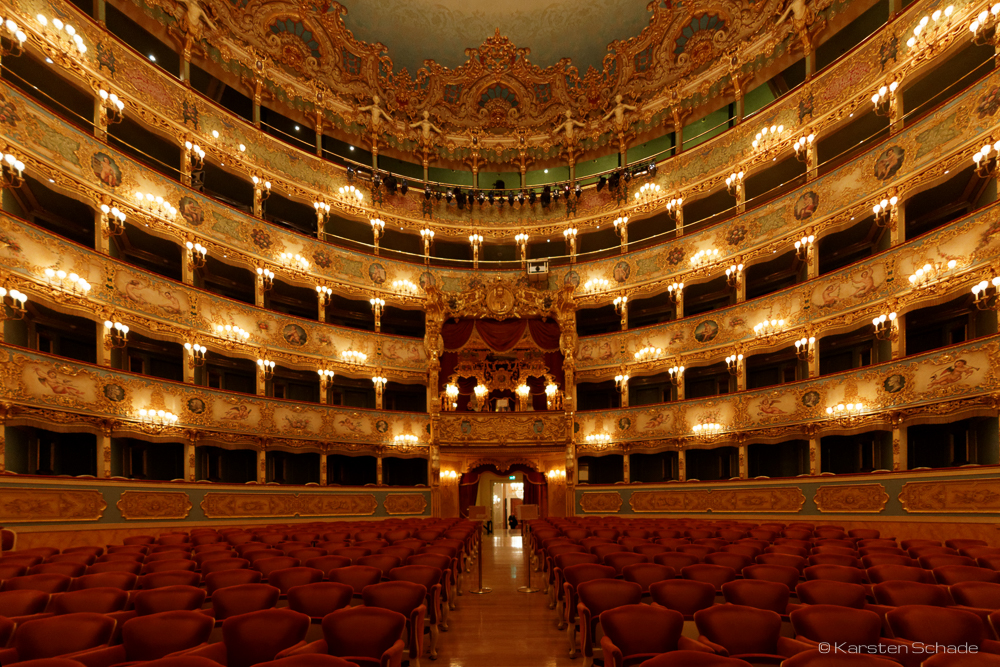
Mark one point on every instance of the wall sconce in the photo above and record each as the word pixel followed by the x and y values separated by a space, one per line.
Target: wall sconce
pixel 325 374
pixel 115 334
pixel 845 413
pixel 570 236
pixel 427 235
pixel 802 146
pixel 480 391
pixel 522 244
pixel 197 254
pixel 768 329
pixel 195 155
pixel 351 193
pixel 451 394
pixel 886 326
pixel 733 363
pixel 404 440
pixel 11 172
pixel 112 220
pixel 377 305
pixel 226 148
pixel 378 228
pixel 261 188
pixel 983 27
pixel 68 282
pixel 768 138
pixel 114 108
pixel 885 212
pixel 477 241
pixel 353 357
pixel 648 353
pixel 884 100
pixel 523 394
pixel 984 297
pixel 704 257
pixel 15 305
pixel 15 38
pixel 552 395
pixel 926 31
pixel 294 261
pixel 804 348
pixel 323 294
pixel 266 277
pixel 674 207
pixel 676 375
pixel 232 332
pixel 556 476
pixel 65 35
pixel 707 431
pixel 322 212
pixel 378 380
pixel 155 205
pixel 986 160
pixel 621 228
pixel 597 285
pixel 803 246
pixel 734 184
pixel 647 191
pixel 621 307
pixel 155 421
pixel 449 476
pixel 931 272
pixel 733 275
pixel 598 439
pixel 266 367
pixel 404 287
pixel 675 291
pixel 197 353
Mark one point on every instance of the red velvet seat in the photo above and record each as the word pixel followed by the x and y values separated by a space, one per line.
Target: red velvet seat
pixel 169 578
pixel 789 576
pixel 749 550
pixel 673 542
pixel 402 553
pixel 757 593
pixel 132 567
pixel 305 553
pixel 834 559
pixel 573 576
pixel 955 574
pixel 381 561
pixel 881 573
pixel 354 553
pixel 937 626
pixel 243 599
pixel 225 578
pixel 728 559
pixel 47 583
pixel 151 638
pixel 693 659
pixel 559 565
pixel 698 550
pixel 816 658
pixel 646 574
pixel 67 569
pixel 944 560
pixel 169 598
pixel 898 593
pixel 838 625
pixel 83 557
pixel 356 576
pixel 290 577
pixel 829 549
pixel 127 557
pixel 26 602
pixel 203 557
pixel 621 560
pixel 327 563
pixel 603 550
pixel 864 533
pixel 319 599
pixel 745 632
pixel 169 553
pixel 976 594
pixel 676 560
pixel 712 574
pixel 396 535
pixel 255 555
pixel 57 662
pixel 170 565
pixel 685 596
pixel 827 591
pixel 595 597
pixel 406 598
pixel 221 564
pixel 962 543
pixel 430 579
pixel 871 560
pixel 256 637
pixel 633 633
pixel 58 636
pixel 11 571
pixel 268 565
pixel 848 575
pixel 94 600
pixel 369 637
pixel 443 563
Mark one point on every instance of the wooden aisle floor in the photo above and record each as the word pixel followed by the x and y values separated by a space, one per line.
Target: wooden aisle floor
pixel 503 628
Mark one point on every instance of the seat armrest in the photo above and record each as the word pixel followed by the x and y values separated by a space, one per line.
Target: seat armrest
pixel 318 646
pixel 990 646
pixel 789 647
pixel 393 657
pixel 215 652
pixel 716 648
pixel 612 654
pixel 688 644
pixel 8 656
pixel 586 636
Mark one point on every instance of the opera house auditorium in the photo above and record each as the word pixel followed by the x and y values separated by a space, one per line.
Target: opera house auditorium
pixel 577 332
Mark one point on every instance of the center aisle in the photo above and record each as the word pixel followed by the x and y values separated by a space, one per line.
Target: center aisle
pixel 503 627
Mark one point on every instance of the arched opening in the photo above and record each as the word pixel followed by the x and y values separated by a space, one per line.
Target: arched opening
pixel 478 486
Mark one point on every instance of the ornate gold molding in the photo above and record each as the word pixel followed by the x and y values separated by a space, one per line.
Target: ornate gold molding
pixel 605 502
pixel 951 497
pixel 28 505
pixel 138 505
pixel 405 503
pixel 851 498
pixel 765 499
pixel 263 504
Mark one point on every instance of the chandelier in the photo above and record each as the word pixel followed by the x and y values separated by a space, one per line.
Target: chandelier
pixel 451 392
pixel 804 347
pixel 647 191
pixel 986 160
pixel 404 440
pixel 353 357
pixel 928 28
pixel 885 211
pixel 707 431
pixel 930 272
pixel 351 193
pixel 674 207
pixel 845 413
pixel 65 35
pixel 116 334
pixel 648 353
pixel 734 183
pixel 404 286
pixel 733 274
pixel 733 363
pixel 597 285
pixel 232 332
pixel 155 421
pixel 802 145
pixel 266 367
pixel 676 375
pixel 16 304
pixel 12 171
pixel 323 293
pixel 703 257
pixel 886 326
pixel 197 353
pixel 67 282
pixel 598 439
pixel 294 261
pixel 768 138
pixel 113 219
pixel 768 329
pixel 15 39
pixel 114 108
pixel 884 99
pixel 985 294
pixel 266 278
pixel 155 205
pixel 675 291
pixel 198 254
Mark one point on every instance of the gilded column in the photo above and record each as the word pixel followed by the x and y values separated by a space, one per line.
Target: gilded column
pixel 189 453
pixel 898 339
pixel 104 451
pixel 679 310
pixel 261 466
pixel 187 266
pixel 187 363
pixel 813 359
pixel 625 465
pixel 102 239
pixel 744 465
pixel 103 346
pixel 900 446
pixel 815 459
pixel 4 411
pixel 378 468
pixel 323 475
pixel 682 465
pixel 258 291
pixel 261 382
pixel 812 162
pixel 741 375
pixel 897 228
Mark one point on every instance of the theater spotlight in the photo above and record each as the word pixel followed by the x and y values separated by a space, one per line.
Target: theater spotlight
pixel 449 196
pixel 546 195
pixel 438 195
pixel 427 192
pixel 510 198
pixel 652 168
pixel 482 198
pixel 555 195
pixel 628 175
pixel 531 197
pixel 491 198
pixel 404 186
pixel 520 197
pixel 391 184
pixel 578 191
pixel 460 198
pixel 601 182
pixel 614 179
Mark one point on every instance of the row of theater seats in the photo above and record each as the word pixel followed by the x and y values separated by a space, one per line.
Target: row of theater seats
pixel 318 594
pixel 669 593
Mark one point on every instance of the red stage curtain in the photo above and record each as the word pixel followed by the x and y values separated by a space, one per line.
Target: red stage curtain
pixel 536 492
pixel 457 334
pixel 545 333
pixel 468 488
pixel 500 336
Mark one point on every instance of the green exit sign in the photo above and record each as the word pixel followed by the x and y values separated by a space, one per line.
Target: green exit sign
pixel 512 477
